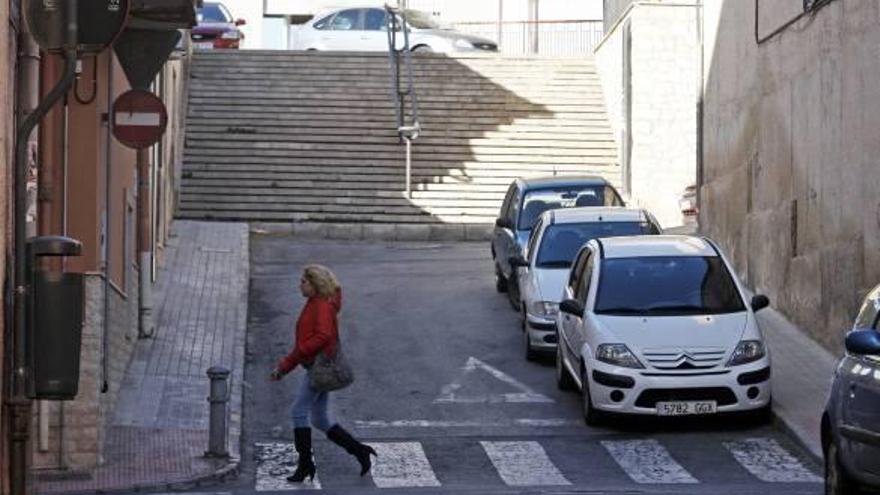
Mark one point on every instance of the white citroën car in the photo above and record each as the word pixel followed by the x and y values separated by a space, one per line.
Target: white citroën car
pixel 658 325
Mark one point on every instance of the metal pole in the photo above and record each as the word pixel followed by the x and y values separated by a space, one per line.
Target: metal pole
pixel 408 166
pixel 500 22
pixel 144 241
pixel 20 405
pixel 218 399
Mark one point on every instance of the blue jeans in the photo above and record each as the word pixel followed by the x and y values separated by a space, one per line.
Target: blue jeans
pixel 310 402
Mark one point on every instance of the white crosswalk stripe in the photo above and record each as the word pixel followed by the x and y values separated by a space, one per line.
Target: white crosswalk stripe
pixel 646 461
pixel 275 462
pixel 523 464
pixel 402 464
pixel 526 463
pixel 768 461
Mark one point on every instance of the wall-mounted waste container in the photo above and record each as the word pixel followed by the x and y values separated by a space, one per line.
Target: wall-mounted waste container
pixel 55 320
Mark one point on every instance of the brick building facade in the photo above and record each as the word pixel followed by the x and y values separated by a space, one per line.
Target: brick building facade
pixel 86 186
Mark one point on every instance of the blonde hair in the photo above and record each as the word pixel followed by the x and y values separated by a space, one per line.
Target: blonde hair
pixel 322 279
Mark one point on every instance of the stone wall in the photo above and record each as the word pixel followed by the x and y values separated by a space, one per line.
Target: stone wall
pixel 664 84
pixel 790 146
pixel 76 428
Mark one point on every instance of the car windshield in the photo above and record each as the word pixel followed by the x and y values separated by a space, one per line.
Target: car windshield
pixel 562 241
pixel 211 12
pixel 420 20
pixel 538 201
pixel 666 286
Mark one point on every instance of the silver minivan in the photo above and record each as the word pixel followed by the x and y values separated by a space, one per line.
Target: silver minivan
pixel 851 423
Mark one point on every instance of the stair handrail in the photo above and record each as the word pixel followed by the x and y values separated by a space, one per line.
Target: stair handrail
pixel 407 131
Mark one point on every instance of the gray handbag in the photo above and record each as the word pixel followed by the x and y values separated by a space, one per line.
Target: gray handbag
pixel 329 373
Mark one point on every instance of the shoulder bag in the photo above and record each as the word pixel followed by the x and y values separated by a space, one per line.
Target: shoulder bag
pixel 329 373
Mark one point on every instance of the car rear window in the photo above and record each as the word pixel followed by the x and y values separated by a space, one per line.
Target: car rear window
pixel 666 286
pixel 561 242
pixel 212 12
pixel 538 201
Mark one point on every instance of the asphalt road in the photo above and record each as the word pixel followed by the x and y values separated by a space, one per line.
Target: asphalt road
pixel 444 393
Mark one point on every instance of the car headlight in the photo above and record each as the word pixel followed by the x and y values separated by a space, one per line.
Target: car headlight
pixel 545 309
pixel 463 43
pixel 746 352
pixel 230 35
pixel 618 355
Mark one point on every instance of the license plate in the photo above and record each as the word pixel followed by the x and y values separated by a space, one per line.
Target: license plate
pixel 684 408
pixel 204 45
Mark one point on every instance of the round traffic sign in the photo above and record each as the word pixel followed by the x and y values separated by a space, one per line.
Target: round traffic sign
pixel 139 119
pixel 99 23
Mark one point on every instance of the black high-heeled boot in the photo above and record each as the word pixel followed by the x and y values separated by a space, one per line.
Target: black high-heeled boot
pixel 305 465
pixel 361 451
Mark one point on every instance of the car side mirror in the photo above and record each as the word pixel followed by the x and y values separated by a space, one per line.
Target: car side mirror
pixel 518 261
pixel 572 307
pixel 863 342
pixel 759 302
pixel 504 223
pixel 240 22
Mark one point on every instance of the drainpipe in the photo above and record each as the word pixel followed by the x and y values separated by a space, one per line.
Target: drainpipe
pixel 20 404
pixel 701 26
pixel 108 227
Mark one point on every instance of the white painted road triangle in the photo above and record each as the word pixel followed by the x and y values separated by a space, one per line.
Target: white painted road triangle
pixel 275 462
pixel 769 462
pixel 646 461
pixel 402 464
pixel 523 464
pixel 526 394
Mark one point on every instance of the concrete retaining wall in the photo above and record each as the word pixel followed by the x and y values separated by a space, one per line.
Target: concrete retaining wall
pixel 790 147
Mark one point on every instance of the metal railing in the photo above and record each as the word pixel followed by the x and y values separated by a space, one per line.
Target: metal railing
pixel 408 129
pixel 553 38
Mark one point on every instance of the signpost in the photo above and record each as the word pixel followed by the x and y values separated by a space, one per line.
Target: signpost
pixel 139 119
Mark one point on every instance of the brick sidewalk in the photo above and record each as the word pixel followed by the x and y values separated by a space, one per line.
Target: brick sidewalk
pixel 159 430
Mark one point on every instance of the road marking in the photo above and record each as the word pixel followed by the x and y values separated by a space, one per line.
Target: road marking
pixel 646 461
pixel 449 392
pixel 430 423
pixel 769 462
pixel 402 464
pixel 523 464
pixel 275 462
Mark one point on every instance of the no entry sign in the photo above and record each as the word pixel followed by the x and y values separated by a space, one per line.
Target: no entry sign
pixel 139 119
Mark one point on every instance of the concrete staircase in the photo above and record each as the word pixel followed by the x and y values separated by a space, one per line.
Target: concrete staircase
pixel 309 137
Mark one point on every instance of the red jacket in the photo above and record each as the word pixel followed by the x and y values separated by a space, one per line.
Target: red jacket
pixel 316 331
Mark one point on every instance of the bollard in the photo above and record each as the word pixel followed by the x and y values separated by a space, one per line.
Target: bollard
pixel 218 400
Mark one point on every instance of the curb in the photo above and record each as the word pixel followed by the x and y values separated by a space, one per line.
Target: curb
pixel 224 474
pixel 376 231
pixel 791 431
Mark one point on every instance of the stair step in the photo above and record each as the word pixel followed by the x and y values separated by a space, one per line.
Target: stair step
pixel 295 136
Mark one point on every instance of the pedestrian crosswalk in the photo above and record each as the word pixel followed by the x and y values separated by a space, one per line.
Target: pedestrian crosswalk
pixel 528 463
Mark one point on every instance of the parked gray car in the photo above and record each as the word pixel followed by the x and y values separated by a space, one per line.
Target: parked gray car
pixel 851 423
pixel 525 201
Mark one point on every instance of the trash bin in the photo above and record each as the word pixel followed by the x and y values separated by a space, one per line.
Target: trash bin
pixel 55 320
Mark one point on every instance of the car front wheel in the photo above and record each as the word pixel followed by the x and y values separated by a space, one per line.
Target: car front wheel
pixel 592 416
pixel 531 355
pixel 500 281
pixel 563 378
pixel 837 481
